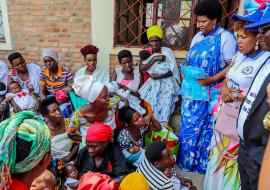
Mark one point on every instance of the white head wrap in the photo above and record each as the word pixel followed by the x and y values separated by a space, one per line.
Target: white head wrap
pixel 87 87
pixel 49 53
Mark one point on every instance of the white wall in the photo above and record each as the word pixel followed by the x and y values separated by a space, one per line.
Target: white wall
pixel 102 12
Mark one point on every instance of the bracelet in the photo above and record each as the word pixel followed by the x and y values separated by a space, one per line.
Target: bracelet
pixel 266 121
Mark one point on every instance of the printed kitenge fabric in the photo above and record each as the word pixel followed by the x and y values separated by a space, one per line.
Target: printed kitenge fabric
pixel 196 119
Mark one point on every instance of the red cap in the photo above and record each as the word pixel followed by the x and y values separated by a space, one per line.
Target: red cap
pixel 99 132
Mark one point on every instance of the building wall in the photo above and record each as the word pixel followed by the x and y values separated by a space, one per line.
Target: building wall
pixel 62 25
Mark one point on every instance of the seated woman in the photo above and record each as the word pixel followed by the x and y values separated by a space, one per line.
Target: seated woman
pixel 4 106
pixel 89 53
pixel 56 80
pixel 164 108
pixel 97 109
pixel 130 138
pixel 100 155
pixel 25 150
pixel 128 80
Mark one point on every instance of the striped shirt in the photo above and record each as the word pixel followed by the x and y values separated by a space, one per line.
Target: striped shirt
pixel 156 179
pixel 63 78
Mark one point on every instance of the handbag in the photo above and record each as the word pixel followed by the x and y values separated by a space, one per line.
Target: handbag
pixel 227 120
pixel 165 135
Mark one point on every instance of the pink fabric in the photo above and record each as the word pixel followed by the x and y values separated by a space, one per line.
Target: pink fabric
pixel 99 132
pixel 60 95
pixel 97 181
pixel 125 83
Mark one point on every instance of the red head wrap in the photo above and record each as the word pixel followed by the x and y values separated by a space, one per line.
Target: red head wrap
pixel 99 132
pixel 97 181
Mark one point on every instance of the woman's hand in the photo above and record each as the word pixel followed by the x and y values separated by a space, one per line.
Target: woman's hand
pixel 226 94
pixel 160 58
pixel 206 81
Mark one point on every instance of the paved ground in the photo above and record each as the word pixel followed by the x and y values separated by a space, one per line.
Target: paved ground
pixel 197 179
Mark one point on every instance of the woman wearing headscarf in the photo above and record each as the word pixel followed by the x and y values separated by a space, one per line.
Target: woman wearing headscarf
pixel 56 80
pixel 24 150
pixel 222 171
pixel 100 154
pixel 97 95
pixel 211 50
pixel 168 94
pixel 89 53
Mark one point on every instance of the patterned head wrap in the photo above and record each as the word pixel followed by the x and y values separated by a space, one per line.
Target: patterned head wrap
pixel 26 126
pixel 154 30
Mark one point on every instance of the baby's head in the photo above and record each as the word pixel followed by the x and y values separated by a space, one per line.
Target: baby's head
pixel 15 87
pixel 46 181
pixel 144 54
pixel 70 171
pixel 3 89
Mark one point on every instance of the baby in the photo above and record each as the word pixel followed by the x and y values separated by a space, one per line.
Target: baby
pixel 71 175
pixel 170 173
pixel 22 98
pixel 4 108
pixel 45 181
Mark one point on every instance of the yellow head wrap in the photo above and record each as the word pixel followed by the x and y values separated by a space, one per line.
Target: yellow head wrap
pixel 134 181
pixel 154 30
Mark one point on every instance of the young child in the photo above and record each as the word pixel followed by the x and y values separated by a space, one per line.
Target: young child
pixel 71 176
pixel 160 93
pixel 46 181
pixel 22 98
pixel 4 108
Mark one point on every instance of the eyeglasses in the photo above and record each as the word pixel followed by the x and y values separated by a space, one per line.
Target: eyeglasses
pixel 264 29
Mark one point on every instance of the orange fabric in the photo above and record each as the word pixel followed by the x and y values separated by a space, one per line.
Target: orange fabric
pixel 148 108
pixel 97 181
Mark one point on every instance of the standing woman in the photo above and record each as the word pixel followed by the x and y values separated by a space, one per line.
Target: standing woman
pixel 212 49
pixel 168 96
pixel 89 53
pixel 222 171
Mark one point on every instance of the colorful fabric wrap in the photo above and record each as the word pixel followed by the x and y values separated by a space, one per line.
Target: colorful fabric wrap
pixel 26 126
pixel 154 30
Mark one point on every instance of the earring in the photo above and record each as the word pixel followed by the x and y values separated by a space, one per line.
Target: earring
pixel 257 46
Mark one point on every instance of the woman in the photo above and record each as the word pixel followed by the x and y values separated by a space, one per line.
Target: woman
pixel 97 95
pixel 25 150
pixel 222 171
pixel 127 78
pixel 131 138
pixel 89 53
pixel 211 50
pixel 27 75
pixel 169 95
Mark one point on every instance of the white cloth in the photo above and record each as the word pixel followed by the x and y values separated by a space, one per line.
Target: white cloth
pixel 158 67
pixel 87 87
pixel 251 96
pixel 49 53
pixel 3 72
pixel 69 181
pixel 23 99
pixel 60 146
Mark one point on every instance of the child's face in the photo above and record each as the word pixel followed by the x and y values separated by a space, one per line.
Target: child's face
pixel 40 184
pixel 71 171
pixel 15 88
pixel 137 120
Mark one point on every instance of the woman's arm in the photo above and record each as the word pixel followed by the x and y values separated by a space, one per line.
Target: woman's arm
pixel 114 76
pixel 42 91
pixel 154 125
pixel 73 153
pixel 161 76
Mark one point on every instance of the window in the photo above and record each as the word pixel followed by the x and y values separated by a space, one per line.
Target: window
pixel 5 43
pixel 176 17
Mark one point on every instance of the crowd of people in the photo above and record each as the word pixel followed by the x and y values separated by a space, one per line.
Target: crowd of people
pixel 60 130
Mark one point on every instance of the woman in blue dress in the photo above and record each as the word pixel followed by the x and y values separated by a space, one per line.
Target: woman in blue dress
pixel 211 50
